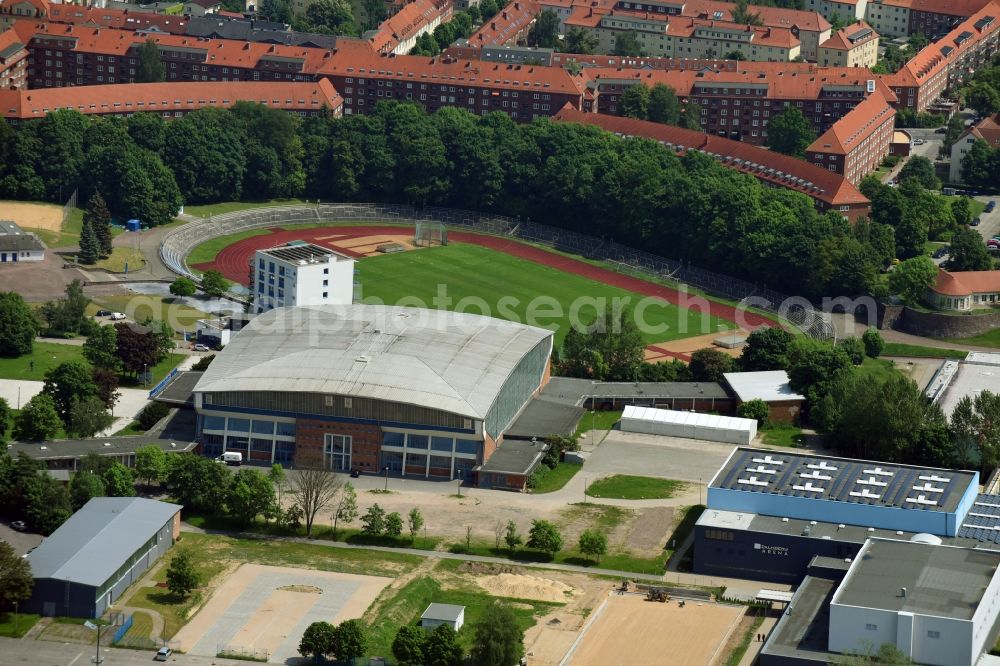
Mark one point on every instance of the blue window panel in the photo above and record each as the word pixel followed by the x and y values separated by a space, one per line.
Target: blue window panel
pixel 286 429
pixel 237 443
pixel 260 264
pixel 261 445
pixel 393 438
pixel 394 461
pixel 283 452
pixel 263 427
pixel 416 441
pixel 467 445
pixel 211 445
pixel 260 287
pixel 214 423
pixel 270 267
pixel 281 270
pixel 441 443
pixel 239 425
pixel 416 460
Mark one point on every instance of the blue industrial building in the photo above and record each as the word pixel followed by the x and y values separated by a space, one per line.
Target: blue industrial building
pixel 770 512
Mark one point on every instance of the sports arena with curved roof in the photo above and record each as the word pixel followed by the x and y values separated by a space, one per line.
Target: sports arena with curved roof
pixel 420 392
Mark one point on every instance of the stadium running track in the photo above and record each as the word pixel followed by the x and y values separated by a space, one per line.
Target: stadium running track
pixel 232 262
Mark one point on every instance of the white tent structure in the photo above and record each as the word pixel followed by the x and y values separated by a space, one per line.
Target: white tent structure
pixel 692 425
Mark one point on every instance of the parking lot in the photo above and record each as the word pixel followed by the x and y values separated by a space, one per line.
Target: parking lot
pixel 655 455
pixel 22 542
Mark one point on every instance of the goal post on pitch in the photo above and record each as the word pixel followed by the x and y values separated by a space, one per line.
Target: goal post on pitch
pixel 427 234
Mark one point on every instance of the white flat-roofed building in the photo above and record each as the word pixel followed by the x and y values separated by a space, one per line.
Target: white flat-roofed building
pixel 937 604
pixel 691 425
pixel 301 274
pixel 18 245
pixel 772 387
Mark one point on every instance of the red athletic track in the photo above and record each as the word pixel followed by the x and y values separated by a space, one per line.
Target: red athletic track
pixel 232 262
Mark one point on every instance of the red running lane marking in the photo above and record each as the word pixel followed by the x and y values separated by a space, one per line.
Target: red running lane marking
pixel 232 262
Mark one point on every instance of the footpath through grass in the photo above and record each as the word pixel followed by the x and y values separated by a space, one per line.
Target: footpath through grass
pixel 464 277
pixel 626 486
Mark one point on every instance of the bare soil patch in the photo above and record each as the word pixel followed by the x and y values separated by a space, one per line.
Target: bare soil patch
pixel 521 586
pixel 47 217
pixel 647 534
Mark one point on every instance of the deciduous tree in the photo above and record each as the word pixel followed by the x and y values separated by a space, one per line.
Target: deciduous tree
pixel 874 344
pixel 415 520
pixel 16 581
pixel 393 524
pixel 373 521
pixel 250 495
pixel 544 32
pixel 38 420
pixel 708 365
pixel 593 544
pixel 151 69
pixel 18 326
pixel 150 463
pixel 912 278
pixel 408 646
pixel 85 486
pixel 755 409
pixel 634 101
pixel 511 536
pixel 313 486
pixel 352 640
pixel 766 349
pixel 183 286
pixel 118 481
pixel 968 252
pixel 544 536
pixel 88 416
pixel 790 132
pixel 69 380
pixel 101 348
pixel 499 639
pixel 213 284
pixel 182 578
pixel 441 647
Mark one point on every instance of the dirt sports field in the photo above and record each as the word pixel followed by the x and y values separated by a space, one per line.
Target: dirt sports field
pixel 47 217
pixel 267 608
pixel 631 630
pixel 360 241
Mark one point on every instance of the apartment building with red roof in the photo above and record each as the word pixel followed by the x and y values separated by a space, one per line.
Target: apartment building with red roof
pixel 13 10
pixel 987 129
pixel 935 17
pixel 64 55
pixel 524 92
pixel 855 145
pixel 673 36
pixel 13 61
pixel 855 45
pixel 739 104
pixel 509 26
pixel 828 190
pixel 171 100
pixel 943 64
pixel 398 33
pixel 965 290
pixel 844 10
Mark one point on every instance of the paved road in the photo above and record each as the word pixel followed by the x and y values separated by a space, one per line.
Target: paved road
pixel 47 653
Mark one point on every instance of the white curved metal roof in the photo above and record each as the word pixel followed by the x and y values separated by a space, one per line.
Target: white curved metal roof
pixel 455 362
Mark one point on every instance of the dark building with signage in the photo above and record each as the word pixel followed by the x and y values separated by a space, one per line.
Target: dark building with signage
pixel 769 513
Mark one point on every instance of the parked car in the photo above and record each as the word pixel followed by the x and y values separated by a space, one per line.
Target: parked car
pixel 991 204
pixel 19 525
pixel 975 222
pixel 940 252
pixel 163 654
pixel 103 313
pixel 200 347
pixel 940 130
pixel 117 316
pixel 918 142
pixel 355 473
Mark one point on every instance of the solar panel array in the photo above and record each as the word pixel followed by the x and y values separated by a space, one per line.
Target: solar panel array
pixel 844 480
pixel 982 523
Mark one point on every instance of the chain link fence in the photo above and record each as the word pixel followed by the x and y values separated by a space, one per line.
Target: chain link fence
pixel 242 653
pixel 621 258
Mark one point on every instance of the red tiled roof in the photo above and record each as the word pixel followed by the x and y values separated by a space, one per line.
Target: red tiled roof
pixel 783 80
pixel 845 134
pixel 949 7
pixel 407 23
pixel 9 38
pixel 774 17
pixel 987 129
pixel 841 40
pixel 934 57
pixel 966 283
pixel 163 97
pixel 506 25
pixel 116 18
pixel 354 61
pixel 826 186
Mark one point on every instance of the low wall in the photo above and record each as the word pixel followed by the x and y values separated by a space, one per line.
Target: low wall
pixel 941 325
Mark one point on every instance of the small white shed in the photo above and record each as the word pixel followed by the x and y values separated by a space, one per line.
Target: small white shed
pixel 692 425
pixel 438 614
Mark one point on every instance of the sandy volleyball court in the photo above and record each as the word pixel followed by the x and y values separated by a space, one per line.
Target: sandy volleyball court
pixel 46 217
pixel 267 608
pixel 631 630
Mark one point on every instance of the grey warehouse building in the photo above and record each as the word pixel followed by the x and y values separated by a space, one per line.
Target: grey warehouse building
pixel 86 564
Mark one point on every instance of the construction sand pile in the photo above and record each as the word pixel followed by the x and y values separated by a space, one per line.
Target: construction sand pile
pixel 525 587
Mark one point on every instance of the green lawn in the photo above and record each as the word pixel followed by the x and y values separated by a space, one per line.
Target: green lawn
pixel 464 276
pixel 597 420
pixel 624 486
pixel 396 608
pixel 122 258
pixel 131 429
pixel 736 656
pixel 976 207
pixel 10 629
pixel 878 367
pixel 45 356
pixel 620 560
pixel 782 434
pixel 142 625
pixel 991 339
pixel 231 206
pixel 207 251
pixel 159 371
pixel 556 478
pixel 917 351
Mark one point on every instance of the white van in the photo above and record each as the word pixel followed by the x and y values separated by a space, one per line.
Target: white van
pixel 232 458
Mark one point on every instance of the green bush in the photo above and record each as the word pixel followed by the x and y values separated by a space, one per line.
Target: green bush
pixel 151 414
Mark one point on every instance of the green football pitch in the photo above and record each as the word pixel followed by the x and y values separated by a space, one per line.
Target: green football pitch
pixel 483 281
